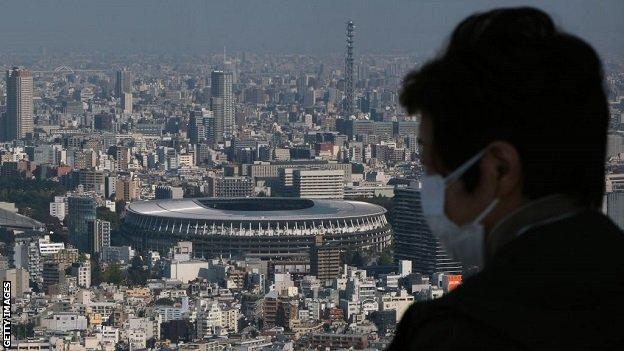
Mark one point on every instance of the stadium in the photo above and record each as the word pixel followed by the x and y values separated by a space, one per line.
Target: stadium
pixel 266 228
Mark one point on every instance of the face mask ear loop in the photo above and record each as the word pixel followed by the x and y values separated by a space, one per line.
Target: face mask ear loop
pixel 486 212
pixel 451 178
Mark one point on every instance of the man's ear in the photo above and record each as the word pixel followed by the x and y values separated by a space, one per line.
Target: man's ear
pixel 505 167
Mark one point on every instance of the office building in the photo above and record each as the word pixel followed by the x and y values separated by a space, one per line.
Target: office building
pixel 53 273
pixel 81 211
pixel 19 279
pixel 58 208
pixel 91 180
pixel 197 128
pixel 123 83
pixel 99 236
pixel 318 184
pixel 324 259
pixel 19 105
pixel 271 170
pixel 413 239
pixel 230 187
pixel 127 189
pixel 163 192
pixel 82 272
pixel 126 102
pixel 222 103
pixel 202 127
pixel 124 157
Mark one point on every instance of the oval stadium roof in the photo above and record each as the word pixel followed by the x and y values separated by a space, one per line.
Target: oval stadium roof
pixel 255 209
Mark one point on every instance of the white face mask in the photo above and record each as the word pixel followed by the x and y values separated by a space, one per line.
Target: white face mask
pixel 464 243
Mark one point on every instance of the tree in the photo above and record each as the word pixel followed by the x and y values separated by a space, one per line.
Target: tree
pixel 23 331
pixel 32 197
pixel 354 258
pixel 136 274
pixel 113 275
pixel 105 214
pixel 385 258
pixel 96 273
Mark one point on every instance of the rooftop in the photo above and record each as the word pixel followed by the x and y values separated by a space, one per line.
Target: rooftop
pixel 245 209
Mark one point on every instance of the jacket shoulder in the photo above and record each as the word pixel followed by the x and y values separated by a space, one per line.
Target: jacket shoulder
pixel 436 325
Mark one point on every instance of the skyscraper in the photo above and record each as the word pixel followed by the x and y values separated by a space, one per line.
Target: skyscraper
pixel 412 238
pixel 19 106
pixel 222 103
pixel 99 235
pixel 82 211
pixel 201 127
pixel 126 102
pixel 196 128
pixel 349 103
pixel 123 84
pixel 124 158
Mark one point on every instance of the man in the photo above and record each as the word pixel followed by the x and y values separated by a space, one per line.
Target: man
pixel 513 132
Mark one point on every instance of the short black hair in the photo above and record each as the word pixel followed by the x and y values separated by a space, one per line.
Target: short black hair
pixel 511 75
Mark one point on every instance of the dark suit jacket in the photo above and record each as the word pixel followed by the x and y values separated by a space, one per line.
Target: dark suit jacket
pixel 558 286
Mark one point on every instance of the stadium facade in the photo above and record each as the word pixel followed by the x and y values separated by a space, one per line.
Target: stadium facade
pixel 275 229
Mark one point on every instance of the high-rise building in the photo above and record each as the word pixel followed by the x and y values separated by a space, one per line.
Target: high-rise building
pixel 222 103
pixel 123 83
pixel 324 259
pixel 126 102
pixel 99 235
pixel 230 187
pixel 91 180
pixel 318 184
pixel 19 279
pixel 201 127
pixel 29 252
pixel 127 189
pixel 123 158
pixel 196 129
pixel 58 208
pixel 309 99
pixel 82 272
pixel 19 105
pixel 53 273
pixel 413 239
pixel 82 211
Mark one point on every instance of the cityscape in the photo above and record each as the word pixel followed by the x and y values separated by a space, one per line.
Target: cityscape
pixel 225 200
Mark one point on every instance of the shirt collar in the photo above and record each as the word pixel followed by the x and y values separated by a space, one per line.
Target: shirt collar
pixel 532 213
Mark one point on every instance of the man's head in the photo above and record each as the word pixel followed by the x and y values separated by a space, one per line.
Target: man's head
pixel 510 83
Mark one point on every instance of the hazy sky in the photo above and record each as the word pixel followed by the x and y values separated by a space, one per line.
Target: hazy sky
pixel 287 26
